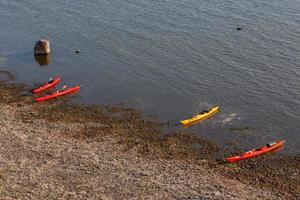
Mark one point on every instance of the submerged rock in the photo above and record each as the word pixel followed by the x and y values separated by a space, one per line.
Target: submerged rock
pixel 42 47
pixel 6 76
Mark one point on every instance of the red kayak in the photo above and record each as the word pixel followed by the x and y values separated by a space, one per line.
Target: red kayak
pixel 49 85
pixel 58 94
pixel 271 147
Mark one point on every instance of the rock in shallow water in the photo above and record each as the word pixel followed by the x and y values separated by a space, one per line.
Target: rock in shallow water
pixel 42 47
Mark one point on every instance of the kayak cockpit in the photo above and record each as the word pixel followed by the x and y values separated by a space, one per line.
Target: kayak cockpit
pixel 271 144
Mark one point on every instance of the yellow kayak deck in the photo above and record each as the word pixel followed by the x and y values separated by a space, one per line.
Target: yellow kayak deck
pixel 202 116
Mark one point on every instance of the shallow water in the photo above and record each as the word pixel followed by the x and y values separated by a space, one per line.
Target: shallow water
pixel 171 59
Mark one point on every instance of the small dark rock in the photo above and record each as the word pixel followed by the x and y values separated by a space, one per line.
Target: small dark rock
pixel 77 51
pixel 238 28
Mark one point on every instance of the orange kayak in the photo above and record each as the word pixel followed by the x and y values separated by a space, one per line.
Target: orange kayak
pixel 271 147
pixel 49 85
pixel 58 94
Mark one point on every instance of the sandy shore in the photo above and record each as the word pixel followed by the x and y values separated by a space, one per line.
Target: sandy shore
pixel 57 150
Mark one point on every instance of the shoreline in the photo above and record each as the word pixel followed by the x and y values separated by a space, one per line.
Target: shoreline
pixel 62 150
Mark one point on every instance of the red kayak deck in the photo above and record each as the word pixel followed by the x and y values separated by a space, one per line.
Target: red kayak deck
pixel 49 85
pixel 272 147
pixel 58 94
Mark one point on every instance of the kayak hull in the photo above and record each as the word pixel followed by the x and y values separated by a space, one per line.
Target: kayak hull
pixel 201 117
pixel 257 152
pixel 47 86
pixel 58 94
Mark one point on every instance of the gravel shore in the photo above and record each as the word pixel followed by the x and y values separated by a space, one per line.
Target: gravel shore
pixel 58 150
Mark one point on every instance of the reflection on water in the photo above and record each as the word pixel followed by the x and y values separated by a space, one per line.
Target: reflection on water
pixel 43 60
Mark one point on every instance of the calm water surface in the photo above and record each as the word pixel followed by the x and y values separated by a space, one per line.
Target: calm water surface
pixel 170 58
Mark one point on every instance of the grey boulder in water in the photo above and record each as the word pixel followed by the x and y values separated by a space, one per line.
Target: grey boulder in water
pixel 42 47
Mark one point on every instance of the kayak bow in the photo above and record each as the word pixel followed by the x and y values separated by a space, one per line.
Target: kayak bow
pixel 271 147
pixel 49 85
pixel 201 116
pixel 58 94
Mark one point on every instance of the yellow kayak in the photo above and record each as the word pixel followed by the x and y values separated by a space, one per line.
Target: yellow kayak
pixel 201 116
